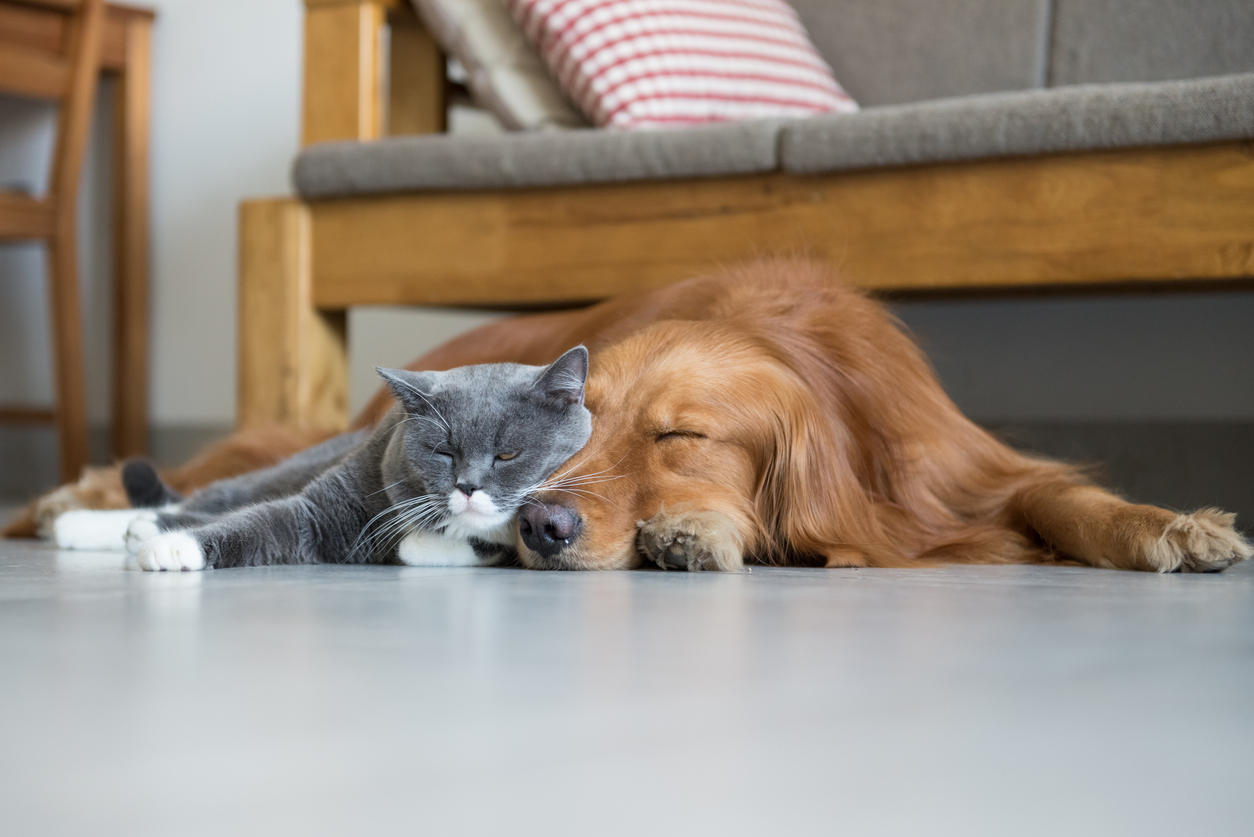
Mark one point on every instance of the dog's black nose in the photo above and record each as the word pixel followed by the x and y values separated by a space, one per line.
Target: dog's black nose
pixel 548 528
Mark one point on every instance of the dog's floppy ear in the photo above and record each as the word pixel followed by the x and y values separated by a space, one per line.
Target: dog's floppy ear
pixel 810 496
pixel 563 381
pixel 413 389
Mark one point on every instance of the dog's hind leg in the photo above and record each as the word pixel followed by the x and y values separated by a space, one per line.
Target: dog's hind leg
pixel 1096 527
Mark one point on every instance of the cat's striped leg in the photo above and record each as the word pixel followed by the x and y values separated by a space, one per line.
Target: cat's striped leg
pixel 288 531
pixel 149 525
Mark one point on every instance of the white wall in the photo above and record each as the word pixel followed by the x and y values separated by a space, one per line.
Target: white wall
pixel 225 106
pixel 226 124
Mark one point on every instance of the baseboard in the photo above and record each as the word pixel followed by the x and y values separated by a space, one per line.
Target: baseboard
pixel 1180 465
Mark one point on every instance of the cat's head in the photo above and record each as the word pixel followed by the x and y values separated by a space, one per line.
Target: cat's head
pixel 479 439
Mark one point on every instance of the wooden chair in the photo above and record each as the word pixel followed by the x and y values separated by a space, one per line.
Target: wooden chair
pixel 1134 217
pixel 70 79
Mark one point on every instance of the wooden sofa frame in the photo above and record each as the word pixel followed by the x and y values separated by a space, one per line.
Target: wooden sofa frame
pixel 1144 216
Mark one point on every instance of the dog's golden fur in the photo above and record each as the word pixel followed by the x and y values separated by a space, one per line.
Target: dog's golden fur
pixel 772 414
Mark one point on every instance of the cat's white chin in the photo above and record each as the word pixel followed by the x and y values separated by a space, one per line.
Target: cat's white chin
pixel 473 516
pixel 476 524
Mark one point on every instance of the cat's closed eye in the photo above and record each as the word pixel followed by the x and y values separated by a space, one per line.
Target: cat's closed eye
pixel 506 457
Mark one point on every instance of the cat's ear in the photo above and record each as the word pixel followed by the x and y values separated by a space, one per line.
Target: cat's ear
pixel 564 379
pixel 412 388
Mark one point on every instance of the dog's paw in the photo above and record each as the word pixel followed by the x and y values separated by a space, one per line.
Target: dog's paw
pixel 93 530
pixel 1202 542
pixel 694 540
pixel 141 530
pixel 171 551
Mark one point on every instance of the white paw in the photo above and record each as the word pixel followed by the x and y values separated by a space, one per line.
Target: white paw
pixel 90 529
pixel 171 551
pixel 435 549
pixel 1202 542
pixel 141 530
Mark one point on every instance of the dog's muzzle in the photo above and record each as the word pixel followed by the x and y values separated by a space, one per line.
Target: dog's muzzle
pixel 548 528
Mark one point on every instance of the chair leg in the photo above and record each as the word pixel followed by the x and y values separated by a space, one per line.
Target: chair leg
pixel 67 330
pixel 129 430
pixel 293 358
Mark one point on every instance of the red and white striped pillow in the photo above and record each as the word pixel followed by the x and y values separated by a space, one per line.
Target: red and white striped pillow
pixel 656 63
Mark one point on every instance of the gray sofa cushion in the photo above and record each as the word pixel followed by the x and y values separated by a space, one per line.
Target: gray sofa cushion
pixel 1079 118
pixel 546 158
pixel 889 52
pixel 1097 41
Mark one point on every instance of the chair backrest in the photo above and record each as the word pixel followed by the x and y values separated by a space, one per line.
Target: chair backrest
pixel 55 56
pixel 896 51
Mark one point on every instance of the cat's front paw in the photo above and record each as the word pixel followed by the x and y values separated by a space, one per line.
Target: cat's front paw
pixel 171 551
pixel 691 540
pixel 141 530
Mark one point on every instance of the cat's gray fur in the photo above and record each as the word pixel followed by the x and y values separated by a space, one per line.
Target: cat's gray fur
pixel 352 498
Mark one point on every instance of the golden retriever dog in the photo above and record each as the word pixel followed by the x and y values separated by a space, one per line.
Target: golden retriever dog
pixel 770 414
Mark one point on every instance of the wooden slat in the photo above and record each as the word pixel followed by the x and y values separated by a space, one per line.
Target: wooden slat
pixel 27 415
pixel 1150 214
pixel 24 217
pixel 343 95
pixel 35 29
pixel 62 5
pixel 131 97
pixel 127 12
pixel 45 31
pixel 118 21
pixel 113 42
pixel 73 125
pixel 29 72
pixel 417 83
pixel 74 122
pixel 293 360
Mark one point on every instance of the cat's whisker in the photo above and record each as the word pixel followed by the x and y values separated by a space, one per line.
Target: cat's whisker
pixel 404 524
pixel 386 487
pixel 427 419
pixel 415 507
pixel 585 481
pixel 438 414
pixel 570 474
pixel 582 493
pixel 386 538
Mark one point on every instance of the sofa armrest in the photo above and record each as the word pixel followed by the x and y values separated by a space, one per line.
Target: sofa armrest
pixel 371 70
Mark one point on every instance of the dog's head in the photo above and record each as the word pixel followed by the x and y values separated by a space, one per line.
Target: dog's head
pixel 696 416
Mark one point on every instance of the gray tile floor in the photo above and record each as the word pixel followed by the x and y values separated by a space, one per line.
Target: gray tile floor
pixel 371 701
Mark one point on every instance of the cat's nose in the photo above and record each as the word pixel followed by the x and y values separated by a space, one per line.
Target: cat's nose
pixel 466 489
pixel 548 528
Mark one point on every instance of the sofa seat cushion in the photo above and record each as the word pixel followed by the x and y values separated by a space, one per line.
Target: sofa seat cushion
pixel 545 158
pixel 1077 118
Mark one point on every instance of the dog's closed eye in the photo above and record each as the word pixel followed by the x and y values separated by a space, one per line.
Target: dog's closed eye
pixel 667 435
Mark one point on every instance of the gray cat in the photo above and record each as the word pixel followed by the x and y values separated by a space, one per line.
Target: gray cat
pixel 437 483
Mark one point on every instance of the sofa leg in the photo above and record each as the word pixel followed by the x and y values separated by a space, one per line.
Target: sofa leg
pixel 293 358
